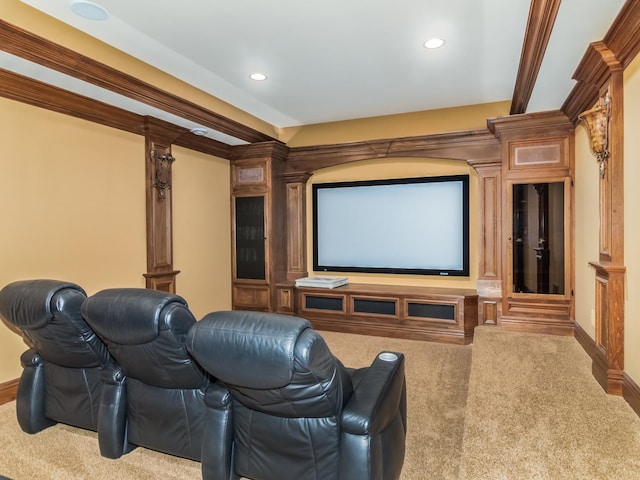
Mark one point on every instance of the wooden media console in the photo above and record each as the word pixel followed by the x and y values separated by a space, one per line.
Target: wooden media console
pixel 420 313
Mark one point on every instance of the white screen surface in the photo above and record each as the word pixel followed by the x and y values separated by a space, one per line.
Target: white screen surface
pixel 398 226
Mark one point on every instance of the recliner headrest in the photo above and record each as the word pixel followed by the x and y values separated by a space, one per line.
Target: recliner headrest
pixel 110 313
pixel 27 303
pixel 247 349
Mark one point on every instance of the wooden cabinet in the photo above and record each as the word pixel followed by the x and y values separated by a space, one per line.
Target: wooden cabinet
pixel 420 313
pixel 537 173
pixel 258 226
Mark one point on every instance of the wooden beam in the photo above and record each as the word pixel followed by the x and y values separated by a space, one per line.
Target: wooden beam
pixel 39 94
pixel 24 44
pixel 542 16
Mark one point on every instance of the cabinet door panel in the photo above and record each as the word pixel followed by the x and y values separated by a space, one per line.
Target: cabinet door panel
pixel 250 238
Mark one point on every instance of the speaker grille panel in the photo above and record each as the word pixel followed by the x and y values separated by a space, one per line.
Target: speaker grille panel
pixel 431 310
pixel 381 307
pixel 324 303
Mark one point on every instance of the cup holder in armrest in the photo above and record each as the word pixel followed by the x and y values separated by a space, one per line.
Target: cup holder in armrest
pixel 388 357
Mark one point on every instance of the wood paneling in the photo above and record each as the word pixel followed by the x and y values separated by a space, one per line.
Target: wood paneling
pixel 396 319
pixel 159 136
pixel 609 367
pixel 258 171
pixel 296 225
pixel 490 228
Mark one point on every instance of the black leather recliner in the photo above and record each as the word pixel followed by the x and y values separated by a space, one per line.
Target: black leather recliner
pixel 298 413
pixel 61 377
pixel 160 399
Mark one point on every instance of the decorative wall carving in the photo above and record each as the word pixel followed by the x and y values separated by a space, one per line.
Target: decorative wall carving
pixel 161 172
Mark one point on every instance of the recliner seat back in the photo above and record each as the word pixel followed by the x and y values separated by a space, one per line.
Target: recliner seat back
pixel 61 379
pixel 163 388
pixel 288 389
pixel 146 331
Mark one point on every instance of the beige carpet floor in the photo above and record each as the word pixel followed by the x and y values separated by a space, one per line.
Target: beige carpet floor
pixel 534 411
pixel 436 383
pixel 512 406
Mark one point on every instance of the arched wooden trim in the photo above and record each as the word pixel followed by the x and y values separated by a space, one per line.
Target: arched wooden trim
pixel 477 146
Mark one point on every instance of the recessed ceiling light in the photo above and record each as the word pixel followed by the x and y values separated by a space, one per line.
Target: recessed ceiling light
pixel 89 10
pixel 258 76
pixel 434 43
pixel 199 131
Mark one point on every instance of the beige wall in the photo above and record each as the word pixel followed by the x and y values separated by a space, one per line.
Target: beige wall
pixel 632 219
pixel 201 230
pixel 72 202
pixel 470 117
pixel 399 168
pixel 587 178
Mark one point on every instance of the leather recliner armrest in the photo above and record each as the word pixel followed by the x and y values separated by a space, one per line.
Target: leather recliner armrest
pixel 374 422
pixel 378 397
pixel 112 416
pixel 217 441
pixel 31 393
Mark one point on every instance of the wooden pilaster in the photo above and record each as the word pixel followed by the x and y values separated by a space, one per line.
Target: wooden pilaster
pixel 160 274
pixel 608 366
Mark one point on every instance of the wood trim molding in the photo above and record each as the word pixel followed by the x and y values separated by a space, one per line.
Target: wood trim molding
pixel 542 16
pixel 162 281
pixel 29 46
pixel 39 94
pixel 274 149
pixel 631 393
pixel 531 125
pixel 587 343
pixel 630 389
pixel 592 75
pixel 623 37
pixel 620 45
pixel 477 146
pixel 9 391
pixel 598 355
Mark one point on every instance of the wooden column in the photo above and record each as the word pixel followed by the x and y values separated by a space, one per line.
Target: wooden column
pixel 603 72
pixel 158 138
pixel 296 188
pixel 608 366
pixel 489 248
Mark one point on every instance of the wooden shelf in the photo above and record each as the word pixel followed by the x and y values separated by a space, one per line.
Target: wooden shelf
pixel 420 313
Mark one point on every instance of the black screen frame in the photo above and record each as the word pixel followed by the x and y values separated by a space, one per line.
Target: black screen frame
pixel 462 272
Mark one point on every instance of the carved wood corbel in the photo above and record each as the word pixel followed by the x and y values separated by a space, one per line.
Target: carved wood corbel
pixel 161 166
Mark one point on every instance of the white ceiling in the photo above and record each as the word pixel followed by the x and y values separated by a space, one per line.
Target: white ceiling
pixel 329 60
